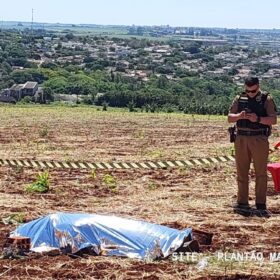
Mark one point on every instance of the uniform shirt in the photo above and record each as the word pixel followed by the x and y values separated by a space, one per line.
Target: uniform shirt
pixel 269 106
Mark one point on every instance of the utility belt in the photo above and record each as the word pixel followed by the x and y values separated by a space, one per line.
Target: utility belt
pixel 264 132
pixel 234 131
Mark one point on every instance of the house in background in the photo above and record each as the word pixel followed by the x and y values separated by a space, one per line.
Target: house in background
pixel 19 91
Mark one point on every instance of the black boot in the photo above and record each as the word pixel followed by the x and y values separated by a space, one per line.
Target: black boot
pixel 243 209
pixel 261 210
pixel 261 206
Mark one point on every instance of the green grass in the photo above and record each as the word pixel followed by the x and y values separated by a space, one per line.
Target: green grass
pixel 41 185
pixel 98 110
pixel 110 182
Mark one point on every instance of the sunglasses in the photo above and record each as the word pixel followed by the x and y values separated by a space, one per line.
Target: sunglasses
pixel 252 91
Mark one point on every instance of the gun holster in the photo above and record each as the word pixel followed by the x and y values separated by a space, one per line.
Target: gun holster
pixel 232 134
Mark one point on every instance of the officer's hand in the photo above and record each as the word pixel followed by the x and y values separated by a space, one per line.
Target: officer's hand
pixel 242 115
pixel 252 117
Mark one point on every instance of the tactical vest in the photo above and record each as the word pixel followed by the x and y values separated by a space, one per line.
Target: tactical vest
pixel 252 105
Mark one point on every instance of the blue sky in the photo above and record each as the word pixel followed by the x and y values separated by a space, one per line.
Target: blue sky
pixel 203 13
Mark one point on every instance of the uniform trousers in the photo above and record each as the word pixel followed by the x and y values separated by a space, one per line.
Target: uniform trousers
pixel 247 149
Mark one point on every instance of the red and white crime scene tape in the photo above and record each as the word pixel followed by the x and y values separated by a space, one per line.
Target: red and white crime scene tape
pixel 114 165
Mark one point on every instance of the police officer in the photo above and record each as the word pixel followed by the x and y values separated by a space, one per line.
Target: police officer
pixel 254 112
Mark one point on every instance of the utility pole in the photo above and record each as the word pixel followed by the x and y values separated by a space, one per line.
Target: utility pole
pixel 32 23
pixel 31 36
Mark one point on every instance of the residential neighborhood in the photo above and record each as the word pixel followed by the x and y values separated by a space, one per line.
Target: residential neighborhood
pixel 44 65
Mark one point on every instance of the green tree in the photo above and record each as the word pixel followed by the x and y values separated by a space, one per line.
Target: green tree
pixel 56 85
